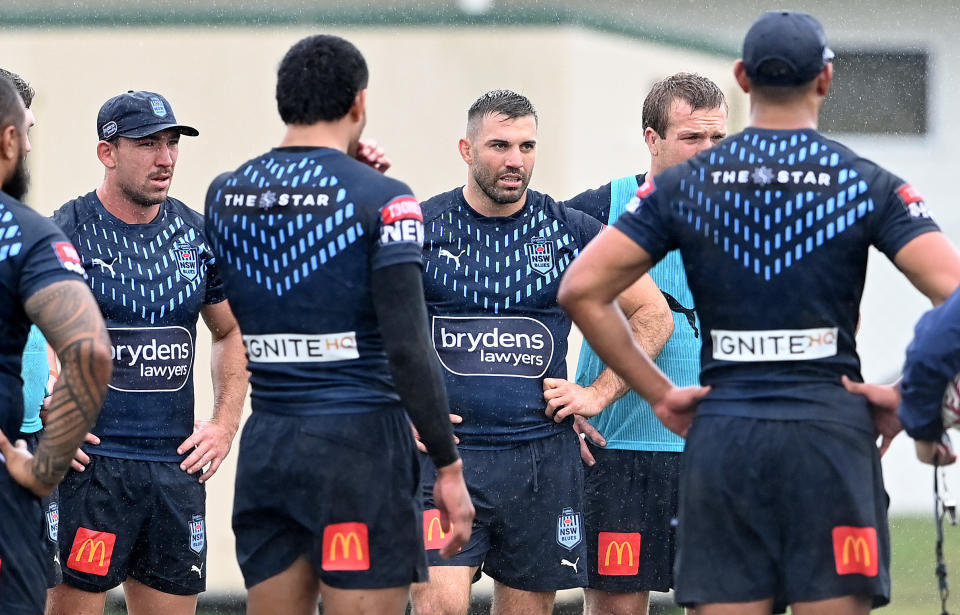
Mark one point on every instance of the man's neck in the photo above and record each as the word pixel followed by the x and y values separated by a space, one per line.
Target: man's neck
pixel 121 207
pixel 801 115
pixel 478 200
pixel 322 134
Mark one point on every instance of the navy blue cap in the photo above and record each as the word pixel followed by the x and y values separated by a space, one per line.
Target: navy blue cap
pixel 137 114
pixel 785 48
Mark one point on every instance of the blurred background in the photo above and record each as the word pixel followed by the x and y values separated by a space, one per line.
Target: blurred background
pixel 586 66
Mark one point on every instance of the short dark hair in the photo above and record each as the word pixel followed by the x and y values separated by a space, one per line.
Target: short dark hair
pixel 11 106
pixel 695 90
pixel 319 79
pixel 499 102
pixel 25 90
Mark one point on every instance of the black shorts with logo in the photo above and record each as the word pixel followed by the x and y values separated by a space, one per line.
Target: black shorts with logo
pixel 340 489
pixel 23 579
pixel 631 503
pixel 142 519
pixel 528 532
pixel 790 510
pixel 50 506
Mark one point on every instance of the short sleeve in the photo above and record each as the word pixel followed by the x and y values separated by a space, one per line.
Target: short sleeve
pixel 214 291
pixel 595 203
pixel 646 221
pixel 50 258
pixel 903 216
pixel 399 233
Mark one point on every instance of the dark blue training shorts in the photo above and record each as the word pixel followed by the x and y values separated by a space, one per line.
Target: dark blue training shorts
pixel 793 510
pixel 340 489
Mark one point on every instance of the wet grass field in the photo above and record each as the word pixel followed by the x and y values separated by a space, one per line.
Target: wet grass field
pixel 914 584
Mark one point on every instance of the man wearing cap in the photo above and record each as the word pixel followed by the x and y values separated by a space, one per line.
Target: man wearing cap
pixel 781 494
pixel 135 515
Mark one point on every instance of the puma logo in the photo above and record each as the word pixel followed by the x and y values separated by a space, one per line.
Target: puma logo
pixel 572 564
pixel 443 253
pixel 199 570
pixel 675 306
pixel 104 265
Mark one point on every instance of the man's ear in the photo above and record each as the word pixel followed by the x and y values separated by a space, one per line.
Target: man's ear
pixel 740 74
pixel 107 153
pixel 653 141
pixel 466 150
pixel 10 143
pixel 359 106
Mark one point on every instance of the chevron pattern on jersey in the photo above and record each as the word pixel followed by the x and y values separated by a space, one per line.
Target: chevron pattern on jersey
pixel 281 250
pixel 140 275
pixel 10 244
pixel 492 270
pixel 768 229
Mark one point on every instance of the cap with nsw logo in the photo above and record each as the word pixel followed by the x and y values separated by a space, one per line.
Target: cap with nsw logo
pixel 785 48
pixel 138 114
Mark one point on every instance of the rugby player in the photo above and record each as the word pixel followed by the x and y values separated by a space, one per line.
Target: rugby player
pixel 631 489
pixel 781 494
pixel 494 252
pixel 43 283
pixel 39 374
pixel 321 258
pixel 135 516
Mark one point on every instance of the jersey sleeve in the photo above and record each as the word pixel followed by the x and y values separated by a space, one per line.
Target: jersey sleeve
pixel 903 217
pixel 48 258
pixel 214 291
pixel 399 233
pixel 647 221
pixel 933 360
pixel 595 203
pixel 587 226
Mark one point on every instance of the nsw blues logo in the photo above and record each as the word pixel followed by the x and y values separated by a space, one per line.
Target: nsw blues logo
pixel 159 109
pixel 540 255
pixel 188 260
pixel 53 521
pixel 198 534
pixel 569 533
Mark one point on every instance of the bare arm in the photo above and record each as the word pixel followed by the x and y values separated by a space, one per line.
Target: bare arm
pixel 932 265
pixel 651 325
pixel 211 440
pixel 588 292
pixel 69 318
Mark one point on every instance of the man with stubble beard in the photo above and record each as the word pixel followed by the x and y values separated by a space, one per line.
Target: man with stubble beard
pixel 135 515
pixel 494 252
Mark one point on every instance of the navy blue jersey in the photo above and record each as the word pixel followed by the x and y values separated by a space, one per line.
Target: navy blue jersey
pixel 774 228
pixel 933 361
pixel 298 231
pixel 33 254
pixel 596 202
pixel 491 287
pixel 150 281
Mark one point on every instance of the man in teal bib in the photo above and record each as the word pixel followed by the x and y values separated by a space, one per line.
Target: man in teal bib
pixel 631 489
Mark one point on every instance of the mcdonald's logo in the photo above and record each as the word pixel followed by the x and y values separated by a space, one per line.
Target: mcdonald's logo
pixel 618 553
pixel 91 551
pixel 345 547
pixel 433 535
pixel 855 550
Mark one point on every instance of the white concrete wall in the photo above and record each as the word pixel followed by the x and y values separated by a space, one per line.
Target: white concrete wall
pixel 588 87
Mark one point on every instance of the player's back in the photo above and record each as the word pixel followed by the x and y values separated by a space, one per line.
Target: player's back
pixel 774 228
pixel 297 232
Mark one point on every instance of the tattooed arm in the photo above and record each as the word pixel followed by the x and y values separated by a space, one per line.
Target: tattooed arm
pixel 69 318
